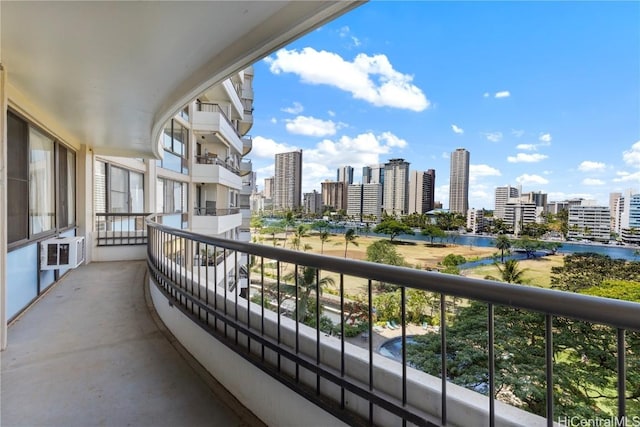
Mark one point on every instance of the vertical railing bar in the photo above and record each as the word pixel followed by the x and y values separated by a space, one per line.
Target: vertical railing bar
pixel 549 366
pixel 206 279
pixel 342 366
pixel 215 284
pixel 443 357
pixel 193 247
pixel 492 377
pixel 237 291
pixel 318 329
pixel 248 295
pixel 370 302
pixel 297 319
pixel 403 325
pixel 278 305
pixel 262 304
pixel 622 377
pixel 225 283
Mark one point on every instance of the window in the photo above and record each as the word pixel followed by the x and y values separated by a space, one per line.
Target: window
pixel 40 182
pixel 118 190
pixel 171 196
pixel 175 141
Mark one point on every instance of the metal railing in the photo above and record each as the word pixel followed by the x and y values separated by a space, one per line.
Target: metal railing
pixel 215 108
pixel 121 229
pixel 210 159
pixel 204 211
pixel 268 334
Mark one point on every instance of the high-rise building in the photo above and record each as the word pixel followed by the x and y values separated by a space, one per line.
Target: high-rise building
pixel 365 201
pixel 268 188
pixel 345 174
pixel 287 184
pixel 503 194
pixel 421 191
pixel 312 202
pixel 334 195
pixel 396 187
pixel 613 207
pixel 373 174
pixel 459 182
pixel 475 220
pixel 536 197
pixel 589 222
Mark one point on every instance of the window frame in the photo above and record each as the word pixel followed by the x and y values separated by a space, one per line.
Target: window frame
pixel 28 236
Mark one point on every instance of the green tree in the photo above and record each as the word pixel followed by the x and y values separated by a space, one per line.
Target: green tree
pixel 618 289
pixel 453 260
pixel 349 238
pixel 324 237
pixel 384 252
pixel 272 230
pixel 287 222
pixel 393 228
pixel 298 234
pixel 509 272
pixel 306 282
pixel 586 270
pixel 432 231
pixel 503 243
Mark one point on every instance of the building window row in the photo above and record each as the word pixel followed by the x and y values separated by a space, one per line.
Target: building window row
pixel 175 141
pixel 40 183
pixel 118 190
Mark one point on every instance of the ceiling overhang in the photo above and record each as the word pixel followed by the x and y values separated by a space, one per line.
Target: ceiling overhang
pixel 110 74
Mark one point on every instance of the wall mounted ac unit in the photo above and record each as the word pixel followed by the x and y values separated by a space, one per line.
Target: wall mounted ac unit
pixel 62 252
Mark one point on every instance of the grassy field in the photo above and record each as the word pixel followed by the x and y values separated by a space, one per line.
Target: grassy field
pixel 417 254
pixel 537 271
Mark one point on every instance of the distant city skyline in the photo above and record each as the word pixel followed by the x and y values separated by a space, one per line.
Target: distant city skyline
pixel 541 101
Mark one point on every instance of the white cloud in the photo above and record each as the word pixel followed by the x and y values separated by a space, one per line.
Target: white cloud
pixel 486 94
pixel 344 31
pixel 274 120
pixel 483 170
pixel 267 148
pixel 493 136
pixel 544 137
pixel 310 126
pixel 457 129
pixel 517 133
pixel 526 158
pixel 527 147
pixel 445 155
pixel 370 78
pixel 626 177
pixel 632 156
pixel 592 181
pixel 589 166
pixel 296 108
pixel 331 113
pixel 503 94
pixel 527 179
pixel 321 161
pixel 356 41
pixel 547 172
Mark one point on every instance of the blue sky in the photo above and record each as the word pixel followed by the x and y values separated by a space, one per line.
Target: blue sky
pixel 543 94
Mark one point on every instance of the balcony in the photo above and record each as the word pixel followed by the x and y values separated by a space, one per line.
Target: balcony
pixel 245 168
pixel 247 145
pixel 255 350
pixel 346 378
pixel 212 170
pixel 212 221
pixel 210 118
pixel 93 352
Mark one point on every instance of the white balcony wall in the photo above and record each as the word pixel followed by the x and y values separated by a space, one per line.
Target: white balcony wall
pixel 206 121
pixel 234 97
pixel 216 174
pixel 214 225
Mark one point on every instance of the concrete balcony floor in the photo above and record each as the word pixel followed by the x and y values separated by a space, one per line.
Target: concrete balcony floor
pixel 92 353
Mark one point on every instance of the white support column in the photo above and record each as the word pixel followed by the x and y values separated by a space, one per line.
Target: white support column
pixel 84 198
pixel 3 210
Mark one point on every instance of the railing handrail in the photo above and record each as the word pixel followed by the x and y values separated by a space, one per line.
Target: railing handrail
pixel 145 214
pixel 612 312
pixel 216 211
pixel 218 109
pixel 214 160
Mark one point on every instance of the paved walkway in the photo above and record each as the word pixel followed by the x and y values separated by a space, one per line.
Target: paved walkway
pixel 91 353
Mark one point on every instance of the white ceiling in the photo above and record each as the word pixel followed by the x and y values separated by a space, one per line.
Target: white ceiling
pixel 111 73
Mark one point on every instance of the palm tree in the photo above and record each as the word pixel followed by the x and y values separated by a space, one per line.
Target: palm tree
pixel 324 237
pixel 306 284
pixel 298 234
pixel 349 237
pixel 510 273
pixel 286 223
pixel 504 244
